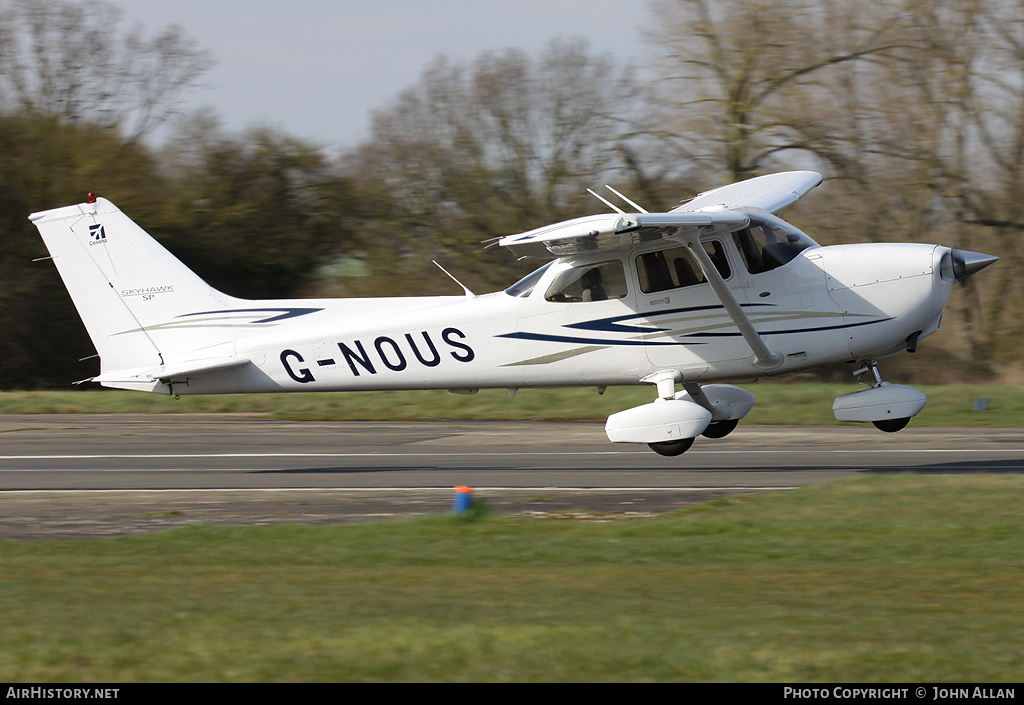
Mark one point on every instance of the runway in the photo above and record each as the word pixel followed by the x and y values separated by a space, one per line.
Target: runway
pixel 100 475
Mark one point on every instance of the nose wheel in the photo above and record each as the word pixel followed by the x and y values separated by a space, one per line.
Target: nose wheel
pixel 889 407
pixel 886 425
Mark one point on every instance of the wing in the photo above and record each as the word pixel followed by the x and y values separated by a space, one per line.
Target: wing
pixel 771 193
pixel 611 231
pixel 711 212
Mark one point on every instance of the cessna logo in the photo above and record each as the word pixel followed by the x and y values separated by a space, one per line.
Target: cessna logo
pixel 97 236
pixel 394 354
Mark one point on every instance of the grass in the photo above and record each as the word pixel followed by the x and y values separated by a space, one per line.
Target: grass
pixel 799 403
pixel 899 578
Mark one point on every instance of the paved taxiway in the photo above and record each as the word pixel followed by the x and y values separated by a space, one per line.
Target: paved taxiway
pixel 92 475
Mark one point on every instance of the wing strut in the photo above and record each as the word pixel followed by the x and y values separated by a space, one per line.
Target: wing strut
pixel 765 358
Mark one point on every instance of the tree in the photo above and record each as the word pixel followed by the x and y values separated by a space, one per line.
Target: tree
pixel 987 191
pixel 912 107
pixel 501 144
pixel 71 60
pixel 45 163
pixel 254 214
pixel 737 74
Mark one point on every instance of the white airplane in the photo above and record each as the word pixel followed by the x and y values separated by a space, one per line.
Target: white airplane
pixel 717 290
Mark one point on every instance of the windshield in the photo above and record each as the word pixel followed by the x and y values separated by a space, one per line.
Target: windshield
pixel 524 286
pixel 769 243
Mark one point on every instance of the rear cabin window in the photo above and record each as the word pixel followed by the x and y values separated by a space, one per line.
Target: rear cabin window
pixel 591 282
pixel 676 268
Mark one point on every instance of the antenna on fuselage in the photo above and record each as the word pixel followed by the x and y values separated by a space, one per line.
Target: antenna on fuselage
pixel 640 209
pixel 605 201
pixel 465 288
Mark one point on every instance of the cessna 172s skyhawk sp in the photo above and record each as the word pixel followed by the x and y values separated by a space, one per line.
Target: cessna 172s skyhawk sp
pixel 720 289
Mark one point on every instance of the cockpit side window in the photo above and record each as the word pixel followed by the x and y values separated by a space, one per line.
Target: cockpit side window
pixel 675 268
pixel 763 246
pixel 590 282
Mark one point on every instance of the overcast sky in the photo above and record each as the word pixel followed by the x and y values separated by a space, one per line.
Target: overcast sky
pixel 317 68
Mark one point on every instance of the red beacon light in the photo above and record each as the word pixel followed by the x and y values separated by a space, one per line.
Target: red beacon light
pixel 91 197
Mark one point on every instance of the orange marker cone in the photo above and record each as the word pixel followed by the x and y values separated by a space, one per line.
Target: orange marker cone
pixel 463 499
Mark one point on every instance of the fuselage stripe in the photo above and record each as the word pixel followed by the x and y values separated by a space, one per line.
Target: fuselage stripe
pixel 570 339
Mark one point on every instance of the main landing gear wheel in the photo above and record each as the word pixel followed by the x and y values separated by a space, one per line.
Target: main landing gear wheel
pixel 891 425
pixel 720 429
pixel 671 448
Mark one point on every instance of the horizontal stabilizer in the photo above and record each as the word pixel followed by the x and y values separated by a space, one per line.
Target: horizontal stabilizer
pixel 173 370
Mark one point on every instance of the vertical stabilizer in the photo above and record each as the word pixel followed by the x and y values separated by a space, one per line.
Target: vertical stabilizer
pixel 127 288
